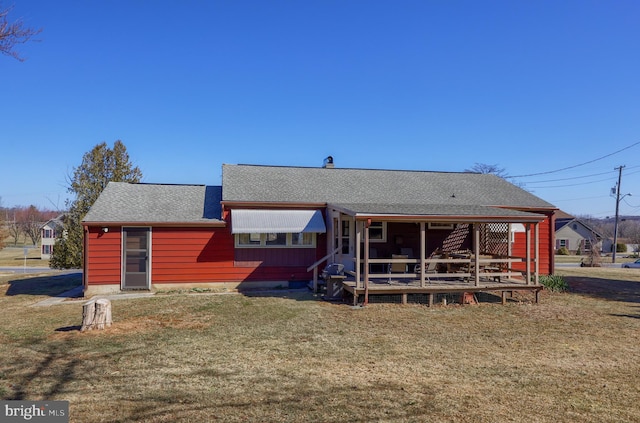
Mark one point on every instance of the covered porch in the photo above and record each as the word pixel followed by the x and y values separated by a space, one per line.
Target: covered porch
pixel 484 249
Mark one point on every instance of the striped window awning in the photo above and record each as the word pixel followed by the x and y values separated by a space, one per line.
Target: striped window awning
pixel 244 221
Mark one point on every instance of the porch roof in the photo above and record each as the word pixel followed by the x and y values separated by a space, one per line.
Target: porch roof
pixel 437 212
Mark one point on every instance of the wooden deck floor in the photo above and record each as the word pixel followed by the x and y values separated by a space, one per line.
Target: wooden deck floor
pixel 405 288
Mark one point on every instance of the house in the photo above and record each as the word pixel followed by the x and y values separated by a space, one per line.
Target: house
pixel 48 233
pixel 275 226
pixel 575 235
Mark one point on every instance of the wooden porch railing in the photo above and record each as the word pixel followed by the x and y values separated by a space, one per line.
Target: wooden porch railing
pixel 488 267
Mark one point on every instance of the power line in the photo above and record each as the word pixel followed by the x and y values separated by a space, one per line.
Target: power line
pixel 566 179
pixel 578 165
pixel 577 199
pixel 571 185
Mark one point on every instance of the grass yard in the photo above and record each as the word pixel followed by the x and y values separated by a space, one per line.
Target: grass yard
pixel 14 257
pixel 235 358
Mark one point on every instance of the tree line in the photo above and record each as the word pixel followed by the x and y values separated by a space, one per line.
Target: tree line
pixel 628 227
pixel 23 222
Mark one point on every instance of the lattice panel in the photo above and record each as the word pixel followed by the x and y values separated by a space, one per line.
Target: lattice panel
pixel 494 238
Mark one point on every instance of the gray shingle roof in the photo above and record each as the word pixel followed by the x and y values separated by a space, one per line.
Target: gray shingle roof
pixel 249 183
pixel 156 203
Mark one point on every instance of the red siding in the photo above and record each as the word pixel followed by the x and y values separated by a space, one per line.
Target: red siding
pixel 207 255
pixel 103 256
pixel 545 247
pixel 196 255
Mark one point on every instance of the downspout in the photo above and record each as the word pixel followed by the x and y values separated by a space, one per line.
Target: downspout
pixel 536 252
pixel 358 230
pixel 552 244
pixel 528 254
pixel 423 254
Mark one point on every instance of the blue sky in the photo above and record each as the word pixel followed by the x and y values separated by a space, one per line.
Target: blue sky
pixel 531 86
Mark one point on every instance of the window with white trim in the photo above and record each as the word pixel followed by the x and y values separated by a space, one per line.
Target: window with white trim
pixel 378 232
pixel 276 240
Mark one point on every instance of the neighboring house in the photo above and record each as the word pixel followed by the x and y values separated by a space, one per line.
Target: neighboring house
pixel 575 235
pixel 48 234
pixel 275 226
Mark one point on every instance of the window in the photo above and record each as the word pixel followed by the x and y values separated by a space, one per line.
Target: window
pixel 346 236
pixel 303 239
pixel 247 239
pixel 378 232
pixel 47 249
pixel 276 240
pixel 563 243
pixel 47 233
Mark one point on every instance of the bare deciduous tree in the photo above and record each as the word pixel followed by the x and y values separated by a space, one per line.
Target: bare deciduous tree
pixel 13 33
pixel 13 226
pixel 31 223
pixel 488 168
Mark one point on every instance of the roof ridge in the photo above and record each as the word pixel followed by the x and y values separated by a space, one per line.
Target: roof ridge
pixel 164 184
pixel 353 168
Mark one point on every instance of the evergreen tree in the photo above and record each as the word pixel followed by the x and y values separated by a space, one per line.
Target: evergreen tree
pixel 99 166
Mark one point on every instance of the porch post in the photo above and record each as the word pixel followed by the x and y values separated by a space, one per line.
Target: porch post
pixel 339 237
pixel 528 254
pixel 510 250
pixel 537 253
pixel 476 256
pixel 423 265
pixel 367 223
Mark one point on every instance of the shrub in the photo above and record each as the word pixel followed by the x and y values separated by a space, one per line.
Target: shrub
pixel 563 251
pixel 554 283
pixel 621 248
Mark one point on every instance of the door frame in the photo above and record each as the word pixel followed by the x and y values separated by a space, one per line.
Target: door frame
pixel 123 257
pixel 347 255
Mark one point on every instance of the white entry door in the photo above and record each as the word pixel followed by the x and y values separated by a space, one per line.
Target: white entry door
pixel 344 234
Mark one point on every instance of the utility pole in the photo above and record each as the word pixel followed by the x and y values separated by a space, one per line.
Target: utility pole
pixel 615 227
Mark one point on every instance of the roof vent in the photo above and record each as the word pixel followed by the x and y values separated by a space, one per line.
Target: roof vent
pixel 328 163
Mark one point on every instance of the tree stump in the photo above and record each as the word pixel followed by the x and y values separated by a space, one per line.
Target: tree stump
pixel 96 314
